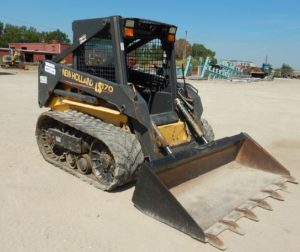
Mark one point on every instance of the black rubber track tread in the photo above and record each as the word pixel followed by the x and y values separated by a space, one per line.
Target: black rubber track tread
pixel 124 146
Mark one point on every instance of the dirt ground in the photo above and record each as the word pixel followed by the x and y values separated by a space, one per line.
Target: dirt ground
pixel 45 209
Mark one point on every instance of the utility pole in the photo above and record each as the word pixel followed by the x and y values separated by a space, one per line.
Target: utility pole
pixel 185 47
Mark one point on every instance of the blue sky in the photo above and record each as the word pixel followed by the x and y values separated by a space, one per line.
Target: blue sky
pixel 244 30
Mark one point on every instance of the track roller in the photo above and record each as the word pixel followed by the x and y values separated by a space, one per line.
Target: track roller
pixel 84 164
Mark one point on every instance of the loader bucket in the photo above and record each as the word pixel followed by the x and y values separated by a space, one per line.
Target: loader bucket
pixel 204 191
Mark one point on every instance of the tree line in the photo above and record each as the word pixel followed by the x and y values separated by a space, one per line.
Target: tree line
pixel 22 34
pixel 195 50
pixel 184 49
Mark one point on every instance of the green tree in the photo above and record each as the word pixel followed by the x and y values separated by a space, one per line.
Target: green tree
pixel 21 34
pixel 199 50
pixel 286 69
pixel 196 50
pixel 32 35
pixel 10 34
pixel 58 35
pixel 1 28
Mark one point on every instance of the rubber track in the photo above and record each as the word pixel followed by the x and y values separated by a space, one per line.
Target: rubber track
pixel 124 146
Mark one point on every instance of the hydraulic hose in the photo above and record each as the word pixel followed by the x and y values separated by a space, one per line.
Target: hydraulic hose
pixel 197 128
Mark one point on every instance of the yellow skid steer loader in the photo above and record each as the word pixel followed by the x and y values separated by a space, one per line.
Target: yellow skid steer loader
pixel 118 114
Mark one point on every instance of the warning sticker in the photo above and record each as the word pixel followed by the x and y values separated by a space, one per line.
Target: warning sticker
pixel 50 68
pixel 43 79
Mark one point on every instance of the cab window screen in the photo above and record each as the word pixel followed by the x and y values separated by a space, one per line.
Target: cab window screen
pixel 96 57
pixel 147 58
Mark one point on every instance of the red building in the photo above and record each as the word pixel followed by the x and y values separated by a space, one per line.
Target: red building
pixel 37 52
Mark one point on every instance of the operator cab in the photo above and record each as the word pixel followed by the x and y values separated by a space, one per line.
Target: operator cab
pixel 146 49
pixel 149 48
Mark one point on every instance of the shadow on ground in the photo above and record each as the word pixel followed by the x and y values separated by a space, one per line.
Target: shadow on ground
pixel 6 73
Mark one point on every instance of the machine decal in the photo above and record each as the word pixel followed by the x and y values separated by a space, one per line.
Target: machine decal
pixel 50 68
pixel 103 88
pixel 99 87
pixel 82 39
pixel 122 46
pixel 43 79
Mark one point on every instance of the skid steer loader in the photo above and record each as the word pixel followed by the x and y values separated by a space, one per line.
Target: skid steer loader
pixel 118 115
